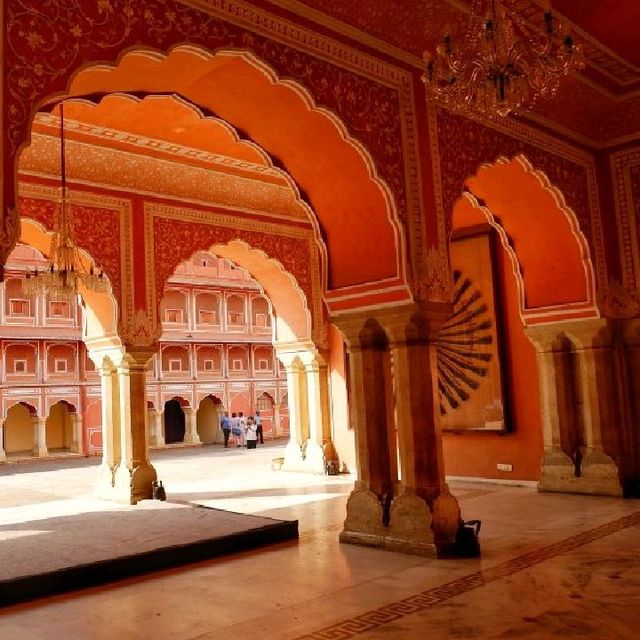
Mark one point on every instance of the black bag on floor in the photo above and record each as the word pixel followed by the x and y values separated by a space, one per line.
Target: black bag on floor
pixel 158 491
pixel 467 544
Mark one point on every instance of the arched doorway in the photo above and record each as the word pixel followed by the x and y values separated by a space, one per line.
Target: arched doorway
pixel 59 427
pixel 174 421
pixel 277 240
pixel 18 429
pixel 529 328
pixel 208 420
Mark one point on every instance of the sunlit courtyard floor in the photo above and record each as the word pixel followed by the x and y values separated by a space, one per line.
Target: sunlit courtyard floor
pixel 552 565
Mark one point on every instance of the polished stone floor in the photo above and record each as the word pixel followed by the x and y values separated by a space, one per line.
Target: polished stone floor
pixel 553 566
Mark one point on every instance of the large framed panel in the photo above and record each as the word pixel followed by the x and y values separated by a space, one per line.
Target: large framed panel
pixel 470 363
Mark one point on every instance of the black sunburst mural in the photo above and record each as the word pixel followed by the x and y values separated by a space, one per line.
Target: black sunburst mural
pixel 464 345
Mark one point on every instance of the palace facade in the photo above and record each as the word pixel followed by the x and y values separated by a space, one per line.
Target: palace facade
pixel 215 354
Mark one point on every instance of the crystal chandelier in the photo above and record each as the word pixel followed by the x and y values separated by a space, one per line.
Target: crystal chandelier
pixel 504 64
pixel 66 270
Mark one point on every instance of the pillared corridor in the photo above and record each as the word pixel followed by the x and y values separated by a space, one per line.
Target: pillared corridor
pixel 546 571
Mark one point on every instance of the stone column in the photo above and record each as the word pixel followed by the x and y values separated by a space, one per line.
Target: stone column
pixel 156 436
pixel 40 436
pixel 3 455
pixel 558 469
pixel 110 402
pixel 325 399
pixel 424 516
pixel 314 455
pixel 588 378
pixel 368 505
pixel 191 426
pixel 293 453
pixel 592 343
pixel 276 420
pixel 135 473
pixel 76 433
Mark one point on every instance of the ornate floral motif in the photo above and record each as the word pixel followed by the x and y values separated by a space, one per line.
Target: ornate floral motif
pixel 465 145
pixel 46 41
pixel 8 233
pixel 625 168
pixel 98 229
pixel 42 211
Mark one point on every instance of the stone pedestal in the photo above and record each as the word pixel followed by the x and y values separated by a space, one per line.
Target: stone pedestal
pixel 364 522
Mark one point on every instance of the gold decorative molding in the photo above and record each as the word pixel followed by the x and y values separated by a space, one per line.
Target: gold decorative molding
pixel 627 213
pixel 435 283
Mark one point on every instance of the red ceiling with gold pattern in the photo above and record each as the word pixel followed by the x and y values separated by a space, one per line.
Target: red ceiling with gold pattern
pixel 602 105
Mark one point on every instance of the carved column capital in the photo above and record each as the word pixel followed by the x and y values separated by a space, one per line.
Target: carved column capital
pixel 140 330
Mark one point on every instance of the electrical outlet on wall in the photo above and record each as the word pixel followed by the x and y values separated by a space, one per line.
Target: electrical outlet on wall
pixel 503 466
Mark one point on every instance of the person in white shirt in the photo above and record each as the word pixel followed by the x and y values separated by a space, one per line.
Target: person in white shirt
pixel 252 433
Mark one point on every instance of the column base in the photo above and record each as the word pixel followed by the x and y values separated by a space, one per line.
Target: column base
pixel 41 452
pixel 135 485
pixel 446 517
pixel 293 460
pixel 415 527
pixel 599 474
pixel 410 525
pixel 192 439
pixel 364 522
pixel 314 457
pixel 103 489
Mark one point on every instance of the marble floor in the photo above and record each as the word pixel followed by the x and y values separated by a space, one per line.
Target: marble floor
pixel 553 566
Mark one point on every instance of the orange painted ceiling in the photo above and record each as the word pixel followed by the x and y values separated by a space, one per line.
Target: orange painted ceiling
pixel 162 145
pixel 602 105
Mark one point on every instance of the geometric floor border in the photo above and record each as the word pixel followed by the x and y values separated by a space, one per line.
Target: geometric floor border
pixel 364 622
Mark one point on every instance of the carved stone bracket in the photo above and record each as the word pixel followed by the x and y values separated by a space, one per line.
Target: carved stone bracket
pixel 140 330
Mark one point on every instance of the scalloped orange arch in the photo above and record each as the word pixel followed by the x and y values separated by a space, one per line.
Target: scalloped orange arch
pixel 355 209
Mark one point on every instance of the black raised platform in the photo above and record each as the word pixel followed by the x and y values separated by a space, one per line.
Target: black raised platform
pixel 101 542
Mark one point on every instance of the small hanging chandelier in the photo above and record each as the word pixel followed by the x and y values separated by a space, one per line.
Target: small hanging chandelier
pixel 66 270
pixel 504 64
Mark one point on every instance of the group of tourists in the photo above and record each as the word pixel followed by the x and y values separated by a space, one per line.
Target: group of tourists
pixel 246 432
